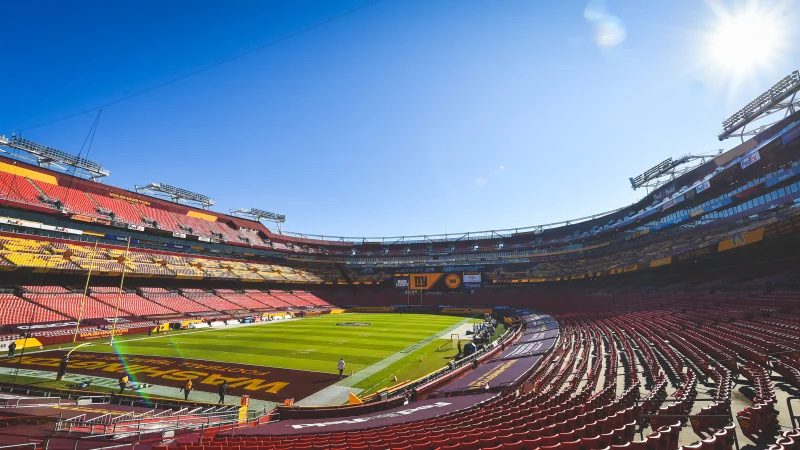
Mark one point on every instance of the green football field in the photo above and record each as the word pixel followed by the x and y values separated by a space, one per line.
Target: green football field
pixel 314 344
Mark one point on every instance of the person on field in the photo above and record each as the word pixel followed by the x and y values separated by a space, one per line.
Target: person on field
pixel 187 388
pixel 62 368
pixel 340 366
pixel 222 390
pixel 12 347
pixel 123 382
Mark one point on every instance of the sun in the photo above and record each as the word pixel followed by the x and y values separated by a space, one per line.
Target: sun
pixel 743 41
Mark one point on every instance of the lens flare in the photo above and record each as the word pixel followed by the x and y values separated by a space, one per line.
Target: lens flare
pixel 746 40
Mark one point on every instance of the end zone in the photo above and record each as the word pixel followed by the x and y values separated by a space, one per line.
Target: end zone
pixel 263 383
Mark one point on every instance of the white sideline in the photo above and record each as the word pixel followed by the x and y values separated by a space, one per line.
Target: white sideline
pixel 336 394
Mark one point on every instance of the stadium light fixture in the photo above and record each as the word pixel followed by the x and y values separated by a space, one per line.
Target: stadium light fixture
pixel 48 156
pixel 175 194
pixel 671 168
pixel 780 97
pixel 259 215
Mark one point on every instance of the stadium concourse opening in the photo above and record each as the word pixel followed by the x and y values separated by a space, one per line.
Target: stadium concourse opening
pixel 180 315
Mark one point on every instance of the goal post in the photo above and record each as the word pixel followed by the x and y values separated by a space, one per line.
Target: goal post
pixel 450 344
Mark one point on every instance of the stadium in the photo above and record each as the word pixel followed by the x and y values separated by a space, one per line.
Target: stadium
pixel 148 318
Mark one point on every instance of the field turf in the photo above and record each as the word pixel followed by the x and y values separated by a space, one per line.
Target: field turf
pixel 314 343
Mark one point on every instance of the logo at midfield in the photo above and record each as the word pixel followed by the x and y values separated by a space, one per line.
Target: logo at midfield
pixel 453 281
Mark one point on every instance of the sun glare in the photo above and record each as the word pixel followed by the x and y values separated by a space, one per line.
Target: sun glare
pixel 746 40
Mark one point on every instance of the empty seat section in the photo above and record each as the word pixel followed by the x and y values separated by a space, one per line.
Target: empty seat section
pixel 20 190
pixel 74 200
pixel 240 299
pixel 69 304
pixel 47 289
pixel 172 300
pixel 15 310
pixel 311 298
pixel 123 211
pixel 288 298
pixel 228 233
pixel 266 299
pixel 199 227
pixel 164 219
pixel 210 300
pixel 129 302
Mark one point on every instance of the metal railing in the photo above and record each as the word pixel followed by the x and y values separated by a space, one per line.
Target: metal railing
pixel 105 422
pixel 27 401
pixel 449 237
pixel 30 445
pixel 125 424
pixel 794 420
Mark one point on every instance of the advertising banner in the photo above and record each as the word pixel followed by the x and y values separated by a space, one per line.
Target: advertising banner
pixel 472 281
pixel 741 239
pixel 412 412
pixel 750 159
pixel 452 281
pixel 423 281
pixel 401 283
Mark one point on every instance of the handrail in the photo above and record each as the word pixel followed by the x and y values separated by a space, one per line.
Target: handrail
pixel 130 423
pixel 15 402
pixel 98 419
pixel 137 430
pixel 795 420
pixel 19 446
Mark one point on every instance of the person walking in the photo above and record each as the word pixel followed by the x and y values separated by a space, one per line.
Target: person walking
pixel 62 368
pixel 123 382
pixel 12 347
pixel 222 390
pixel 340 366
pixel 187 388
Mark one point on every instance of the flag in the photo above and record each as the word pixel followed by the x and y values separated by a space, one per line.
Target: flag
pixel 352 399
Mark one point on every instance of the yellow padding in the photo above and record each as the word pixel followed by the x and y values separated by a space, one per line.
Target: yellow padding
pixel 28 343
pixel 741 239
pixel 28 173
pixel 661 261
pixel 199 215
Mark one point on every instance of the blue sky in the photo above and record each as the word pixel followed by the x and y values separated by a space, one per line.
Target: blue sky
pixel 405 117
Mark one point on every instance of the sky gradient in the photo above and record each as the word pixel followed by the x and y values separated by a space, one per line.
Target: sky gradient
pixel 404 117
